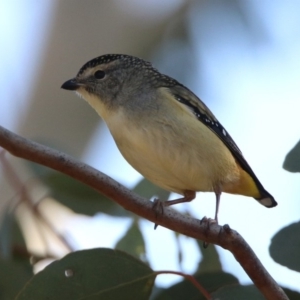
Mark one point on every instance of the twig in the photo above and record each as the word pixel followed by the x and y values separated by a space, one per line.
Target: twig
pixel 192 279
pixel 222 236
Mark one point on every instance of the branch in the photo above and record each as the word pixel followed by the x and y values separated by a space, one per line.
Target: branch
pixel 211 233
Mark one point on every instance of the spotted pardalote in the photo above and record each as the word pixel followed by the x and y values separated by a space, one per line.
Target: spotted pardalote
pixel 165 131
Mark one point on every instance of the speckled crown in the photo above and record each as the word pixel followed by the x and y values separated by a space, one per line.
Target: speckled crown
pixel 127 59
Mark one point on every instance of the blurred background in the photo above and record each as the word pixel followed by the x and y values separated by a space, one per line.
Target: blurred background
pixel 242 58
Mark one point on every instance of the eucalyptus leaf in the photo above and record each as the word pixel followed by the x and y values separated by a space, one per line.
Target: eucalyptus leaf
pixel 248 292
pixel 13 276
pixel 76 195
pixel 292 295
pixel 285 247
pixel 133 242
pixel 210 261
pixel 92 274
pixel 292 159
pixel 147 189
pixel 6 233
pixel 10 235
pixel 80 197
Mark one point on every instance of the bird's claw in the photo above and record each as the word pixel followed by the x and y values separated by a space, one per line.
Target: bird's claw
pixel 207 222
pixel 158 207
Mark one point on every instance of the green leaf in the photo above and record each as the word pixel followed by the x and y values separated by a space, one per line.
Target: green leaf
pixel 292 159
pixel 179 253
pixel 13 274
pixel 133 242
pixel 186 290
pixel 210 261
pixel 292 295
pixel 38 170
pixel 6 233
pixel 80 197
pixel 285 247
pixel 92 274
pixel 147 189
pixel 248 292
pixel 10 236
pixel 76 195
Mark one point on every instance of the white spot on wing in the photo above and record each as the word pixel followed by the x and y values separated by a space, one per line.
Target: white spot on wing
pixel 266 202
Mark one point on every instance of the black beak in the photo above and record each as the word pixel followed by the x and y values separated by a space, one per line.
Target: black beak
pixel 70 85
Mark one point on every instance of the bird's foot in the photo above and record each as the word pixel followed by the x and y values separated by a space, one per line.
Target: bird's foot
pixel 207 222
pixel 158 207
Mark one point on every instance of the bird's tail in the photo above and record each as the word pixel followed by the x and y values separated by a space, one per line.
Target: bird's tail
pixel 266 199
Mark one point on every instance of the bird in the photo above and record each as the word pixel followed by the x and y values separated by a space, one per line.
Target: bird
pixel 165 131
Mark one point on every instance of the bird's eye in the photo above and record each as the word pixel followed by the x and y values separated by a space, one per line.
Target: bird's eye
pixel 99 74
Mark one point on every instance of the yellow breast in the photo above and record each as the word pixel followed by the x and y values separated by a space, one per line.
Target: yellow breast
pixel 173 149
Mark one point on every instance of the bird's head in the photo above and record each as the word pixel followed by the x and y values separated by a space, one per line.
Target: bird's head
pixel 114 79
